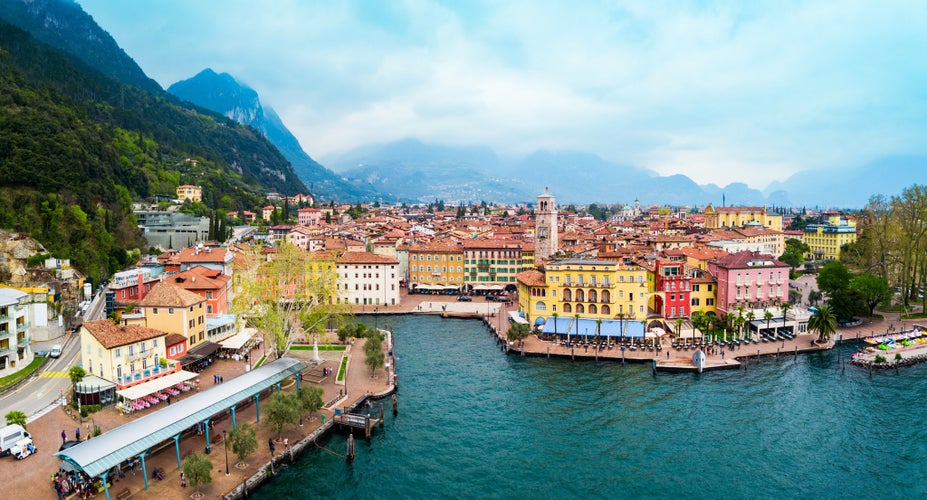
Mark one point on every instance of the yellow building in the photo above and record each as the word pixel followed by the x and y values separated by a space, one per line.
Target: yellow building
pixel 190 192
pixel 436 264
pixel 172 309
pixel 825 240
pixel 594 289
pixel 122 354
pixel 703 296
pixel 730 217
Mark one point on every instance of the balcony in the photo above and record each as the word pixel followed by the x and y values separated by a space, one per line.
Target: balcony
pixel 23 342
pixel 21 327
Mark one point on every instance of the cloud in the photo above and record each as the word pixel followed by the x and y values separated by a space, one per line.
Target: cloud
pixel 721 91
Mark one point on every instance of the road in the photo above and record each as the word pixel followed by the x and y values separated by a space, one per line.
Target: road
pixel 44 388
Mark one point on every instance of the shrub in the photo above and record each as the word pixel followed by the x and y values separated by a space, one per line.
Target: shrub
pixel 897 356
pixel 879 358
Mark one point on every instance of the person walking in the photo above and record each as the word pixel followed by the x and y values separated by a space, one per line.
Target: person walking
pixel 77 434
pixel 64 436
pixel 183 480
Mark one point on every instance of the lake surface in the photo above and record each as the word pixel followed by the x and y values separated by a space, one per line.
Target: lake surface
pixel 474 422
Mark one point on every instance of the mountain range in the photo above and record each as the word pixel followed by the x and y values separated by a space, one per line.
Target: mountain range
pixel 222 93
pixel 80 140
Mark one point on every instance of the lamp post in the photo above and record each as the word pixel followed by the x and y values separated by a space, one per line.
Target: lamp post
pixel 375 324
pixel 225 440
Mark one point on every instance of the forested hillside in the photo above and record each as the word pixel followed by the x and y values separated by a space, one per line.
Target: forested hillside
pixel 77 147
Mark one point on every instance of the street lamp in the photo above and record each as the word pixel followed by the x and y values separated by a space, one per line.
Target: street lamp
pixel 225 440
pixel 375 324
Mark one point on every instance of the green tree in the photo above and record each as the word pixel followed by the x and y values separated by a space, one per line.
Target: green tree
pixel 310 399
pixel 375 360
pixel 243 441
pixel 873 290
pixel 282 409
pixel 198 470
pixel 833 278
pixel 518 332
pixel 823 323
pixel 289 297
pixel 16 417
pixel 76 374
pixel 794 254
pixel 815 296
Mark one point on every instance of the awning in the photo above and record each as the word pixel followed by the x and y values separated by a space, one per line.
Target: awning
pixel 158 384
pixel 199 352
pixel 539 321
pixel 514 317
pixel 92 383
pixel 238 340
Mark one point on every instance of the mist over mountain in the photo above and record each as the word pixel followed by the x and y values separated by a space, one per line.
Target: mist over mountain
pixel 852 187
pixel 222 93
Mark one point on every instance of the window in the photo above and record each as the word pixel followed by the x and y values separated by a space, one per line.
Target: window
pixel 709 302
pixel 170 310
pixel 117 352
pixel 540 306
pixel 154 310
pixel 695 301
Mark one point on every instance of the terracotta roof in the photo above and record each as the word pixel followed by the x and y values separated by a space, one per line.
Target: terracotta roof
pixel 203 255
pixel 168 295
pixel 531 277
pixel 742 260
pixel 199 278
pixel 174 339
pixel 112 335
pixel 365 258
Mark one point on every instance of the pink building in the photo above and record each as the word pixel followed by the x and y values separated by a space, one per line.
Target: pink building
pixel 309 216
pixel 749 278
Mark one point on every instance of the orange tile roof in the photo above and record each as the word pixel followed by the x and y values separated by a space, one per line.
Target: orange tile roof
pixel 111 335
pixel 365 258
pixel 165 294
pixel 531 277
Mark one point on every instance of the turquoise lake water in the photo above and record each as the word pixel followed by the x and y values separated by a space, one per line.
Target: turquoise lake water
pixel 474 422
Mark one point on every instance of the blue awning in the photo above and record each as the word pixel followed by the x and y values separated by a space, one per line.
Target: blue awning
pixel 539 321
pixel 588 327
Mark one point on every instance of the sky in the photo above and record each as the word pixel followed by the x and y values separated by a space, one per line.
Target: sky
pixel 721 91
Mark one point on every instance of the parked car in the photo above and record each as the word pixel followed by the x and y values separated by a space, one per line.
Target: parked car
pixel 464 298
pixel 55 351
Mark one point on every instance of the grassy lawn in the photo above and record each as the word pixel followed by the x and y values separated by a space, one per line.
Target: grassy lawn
pixel 341 370
pixel 321 348
pixel 7 382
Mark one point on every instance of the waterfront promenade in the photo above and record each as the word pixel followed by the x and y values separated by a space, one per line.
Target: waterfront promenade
pixel 35 472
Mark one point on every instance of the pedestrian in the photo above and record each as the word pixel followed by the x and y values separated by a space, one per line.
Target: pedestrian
pixel 77 434
pixel 168 400
pixel 270 444
pixel 215 379
pixel 183 480
pixel 64 436
pixel 221 379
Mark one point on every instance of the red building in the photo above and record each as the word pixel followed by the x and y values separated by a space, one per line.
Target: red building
pixel 671 279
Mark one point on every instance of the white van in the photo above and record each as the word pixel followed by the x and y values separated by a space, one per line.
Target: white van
pixel 9 435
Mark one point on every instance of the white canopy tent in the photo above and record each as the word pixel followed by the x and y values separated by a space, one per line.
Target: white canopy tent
pixel 514 316
pixel 158 384
pixel 239 339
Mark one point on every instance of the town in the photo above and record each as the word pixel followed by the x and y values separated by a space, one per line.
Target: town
pixel 626 282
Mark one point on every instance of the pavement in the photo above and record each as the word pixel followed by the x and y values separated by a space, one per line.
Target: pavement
pixel 35 472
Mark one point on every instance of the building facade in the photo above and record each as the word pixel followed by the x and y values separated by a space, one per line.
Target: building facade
pixel 126 354
pixel 15 350
pixel 436 264
pixel 171 309
pixel 367 279
pixel 749 279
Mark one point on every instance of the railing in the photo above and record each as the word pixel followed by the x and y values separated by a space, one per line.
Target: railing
pixel 20 327
pixel 22 342
pixel 5 333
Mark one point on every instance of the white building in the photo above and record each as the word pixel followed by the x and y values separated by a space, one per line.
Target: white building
pixel 15 351
pixel 365 278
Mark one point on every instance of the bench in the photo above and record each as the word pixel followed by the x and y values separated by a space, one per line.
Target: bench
pixel 125 493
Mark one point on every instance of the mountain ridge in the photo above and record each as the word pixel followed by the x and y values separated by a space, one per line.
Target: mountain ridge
pixel 222 93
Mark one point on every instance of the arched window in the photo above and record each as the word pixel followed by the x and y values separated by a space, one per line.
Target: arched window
pixel 540 306
pixel 593 309
pixel 606 310
pixel 580 309
pixel 593 296
pixel 606 297
pixel 580 296
pixel 567 308
pixel 567 295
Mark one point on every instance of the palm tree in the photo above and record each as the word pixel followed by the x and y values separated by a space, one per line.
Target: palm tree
pixel 767 315
pixel 621 325
pixel 750 317
pixel 823 322
pixel 679 322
